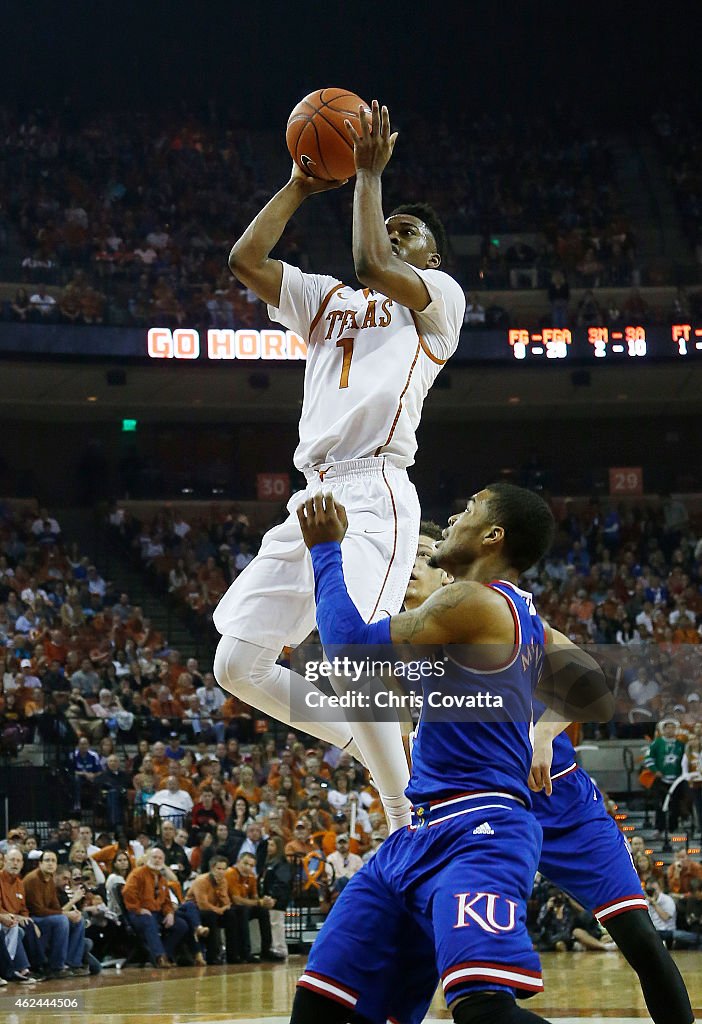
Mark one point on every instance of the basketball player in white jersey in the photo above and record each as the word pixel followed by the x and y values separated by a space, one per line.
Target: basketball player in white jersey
pixel 373 354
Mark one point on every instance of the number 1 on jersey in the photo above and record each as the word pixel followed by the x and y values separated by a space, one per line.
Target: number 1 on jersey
pixel 347 345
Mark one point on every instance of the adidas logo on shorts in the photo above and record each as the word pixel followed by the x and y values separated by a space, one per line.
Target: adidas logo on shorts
pixel 483 830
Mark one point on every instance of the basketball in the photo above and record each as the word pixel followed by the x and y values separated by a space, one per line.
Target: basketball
pixel 316 136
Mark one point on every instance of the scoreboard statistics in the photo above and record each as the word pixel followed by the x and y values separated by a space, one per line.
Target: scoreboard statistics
pixel 632 343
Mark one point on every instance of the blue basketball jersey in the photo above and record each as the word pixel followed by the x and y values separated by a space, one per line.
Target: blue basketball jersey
pixel 493 750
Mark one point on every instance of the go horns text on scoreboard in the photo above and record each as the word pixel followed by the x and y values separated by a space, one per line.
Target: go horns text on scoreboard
pixel 225 343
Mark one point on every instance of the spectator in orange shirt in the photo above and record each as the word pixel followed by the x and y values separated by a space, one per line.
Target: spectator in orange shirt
pixel 680 873
pixel 340 826
pixel 238 719
pixel 22 936
pixel 319 819
pixel 247 785
pixel 167 710
pixel 209 892
pixel 243 893
pixel 301 844
pixel 288 817
pixel 161 764
pixel 284 766
pixel 150 910
pixel 62 933
pixel 105 856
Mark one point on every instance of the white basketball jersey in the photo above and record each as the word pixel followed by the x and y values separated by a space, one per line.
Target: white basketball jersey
pixel 370 363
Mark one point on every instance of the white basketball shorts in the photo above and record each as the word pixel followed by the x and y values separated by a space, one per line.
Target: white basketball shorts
pixel 271 603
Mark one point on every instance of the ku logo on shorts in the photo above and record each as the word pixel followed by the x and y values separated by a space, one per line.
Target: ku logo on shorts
pixel 484 909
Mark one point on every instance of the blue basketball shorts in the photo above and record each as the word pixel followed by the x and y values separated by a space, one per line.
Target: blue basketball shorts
pixel 583 852
pixel 443 899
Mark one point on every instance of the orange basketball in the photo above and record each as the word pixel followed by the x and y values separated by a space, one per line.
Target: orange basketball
pixel 316 136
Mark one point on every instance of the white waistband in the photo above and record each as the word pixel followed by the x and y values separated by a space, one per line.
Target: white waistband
pixel 350 468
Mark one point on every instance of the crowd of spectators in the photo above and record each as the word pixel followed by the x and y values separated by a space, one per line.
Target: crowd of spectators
pixel 194 560
pixel 591 308
pixel 132 215
pixel 237 836
pixel 547 178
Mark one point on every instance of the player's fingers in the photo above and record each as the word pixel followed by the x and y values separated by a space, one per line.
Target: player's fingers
pixel 375 118
pixel 384 122
pixel 392 140
pixel 302 513
pixel 548 785
pixel 532 781
pixel 318 506
pixel 355 137
pixel 341 513
pixel 363 118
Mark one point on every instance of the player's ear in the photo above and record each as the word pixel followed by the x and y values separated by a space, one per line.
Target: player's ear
pixel 494 535
pixel 434 261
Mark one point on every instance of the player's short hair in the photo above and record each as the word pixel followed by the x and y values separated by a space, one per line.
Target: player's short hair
pixel 428 215
pixel 527 521
pixel 428 528
pixel 219 859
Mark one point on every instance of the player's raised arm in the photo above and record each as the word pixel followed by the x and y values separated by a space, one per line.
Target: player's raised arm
pixel 466 612
pixel 380 257
pixel 250 259
pixel 572 683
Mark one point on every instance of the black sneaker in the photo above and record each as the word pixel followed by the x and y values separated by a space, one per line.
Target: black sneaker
pixel 58 974
pixel 253 959
pixel 79 972
pixel 23 979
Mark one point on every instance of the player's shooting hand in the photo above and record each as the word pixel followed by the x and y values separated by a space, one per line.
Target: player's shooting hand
pixel 373 148
pixel 322 520
pixel 311 185
pixel 540 774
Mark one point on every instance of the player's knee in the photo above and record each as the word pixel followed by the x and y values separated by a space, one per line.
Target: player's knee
pixel 238 666
pixel 492 1008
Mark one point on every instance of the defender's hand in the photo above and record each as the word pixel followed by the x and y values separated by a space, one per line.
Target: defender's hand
pixel 310 185
pixel 373 148
pixel 540 774
pixel 322 520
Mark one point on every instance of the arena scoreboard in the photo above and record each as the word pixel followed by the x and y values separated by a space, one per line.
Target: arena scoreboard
pixel 632 343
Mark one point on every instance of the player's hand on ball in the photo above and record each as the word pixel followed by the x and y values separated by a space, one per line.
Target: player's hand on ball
pixel 322 520
pixel 373 148
pixel 310 184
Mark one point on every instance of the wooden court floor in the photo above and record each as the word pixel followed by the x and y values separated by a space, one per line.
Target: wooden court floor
pixel 584 986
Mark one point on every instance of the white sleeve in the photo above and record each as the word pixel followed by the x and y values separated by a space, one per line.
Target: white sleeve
pixel 440 323
pixel 301 298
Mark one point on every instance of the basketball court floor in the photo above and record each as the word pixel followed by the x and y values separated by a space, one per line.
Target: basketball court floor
pixel 580 987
